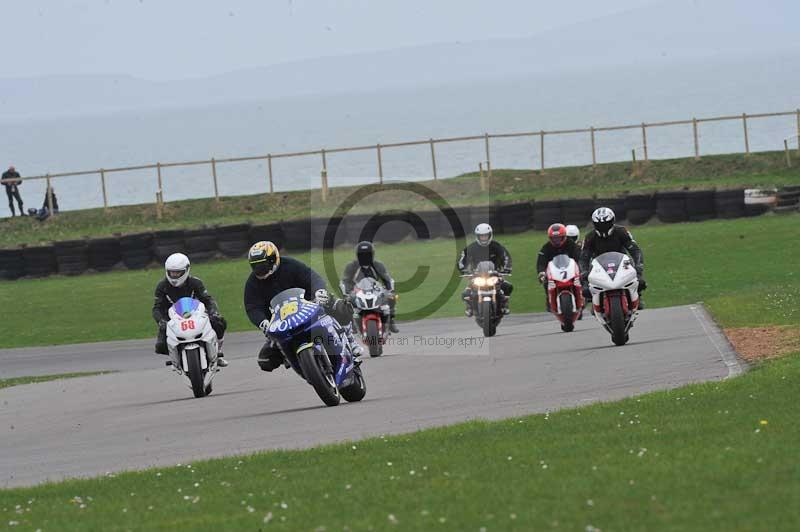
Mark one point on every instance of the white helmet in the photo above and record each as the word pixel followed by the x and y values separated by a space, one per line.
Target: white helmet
pixel 573 232
pixel 483 234
pixel 177 269
pixel 603 220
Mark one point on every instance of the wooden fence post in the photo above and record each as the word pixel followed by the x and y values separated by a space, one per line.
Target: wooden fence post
pixel 594 152
pixel 324 161
pixel 160 189
pixel 269 165
pixel 103 185
pixel 798 130
pixel 380 164
pixel 696 139
pixel 488 156
pixel 746 136
pixel 159 202
pixel 644 141
pixel 433 159
pixel 49 197
pixel 786 149
pixel 214 175
pixel 483 177
pixel 541 147
pixel 324 179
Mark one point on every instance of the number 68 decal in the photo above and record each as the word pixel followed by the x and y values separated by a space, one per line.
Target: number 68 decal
pixel 186 325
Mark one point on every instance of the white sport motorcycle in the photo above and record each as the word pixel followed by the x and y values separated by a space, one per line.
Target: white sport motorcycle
pixel 371 314
pixel 192 344
pixel 615 294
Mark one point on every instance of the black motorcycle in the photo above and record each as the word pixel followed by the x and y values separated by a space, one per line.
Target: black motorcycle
pixel 485 296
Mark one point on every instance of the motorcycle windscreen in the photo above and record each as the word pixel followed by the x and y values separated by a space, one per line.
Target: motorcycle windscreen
pixel 485 266
pixel 368 284
pixel 561 261
pixel 289 293
pixel 185 306
pixel 611 262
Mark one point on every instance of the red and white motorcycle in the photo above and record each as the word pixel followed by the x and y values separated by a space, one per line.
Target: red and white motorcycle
pixel 564 291
pixel 614 285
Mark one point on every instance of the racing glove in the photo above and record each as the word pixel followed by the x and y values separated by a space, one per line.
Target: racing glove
pixel 322 297
pixel 542 277
pixel 264 326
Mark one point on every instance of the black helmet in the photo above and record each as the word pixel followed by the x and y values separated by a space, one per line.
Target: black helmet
pixel 264 259
pixel 365 252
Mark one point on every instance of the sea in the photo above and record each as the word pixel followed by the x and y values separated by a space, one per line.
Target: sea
pixel 626 95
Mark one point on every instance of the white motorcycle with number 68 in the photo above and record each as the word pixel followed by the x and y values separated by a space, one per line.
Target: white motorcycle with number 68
pixel 614 284
pixel 192 344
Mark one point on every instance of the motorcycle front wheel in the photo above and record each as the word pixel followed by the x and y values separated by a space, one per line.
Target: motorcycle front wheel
pixel 319 374
pixel 196 376
pixel 373 339
pixel 617 322
pixel 487 314
pixel 567 312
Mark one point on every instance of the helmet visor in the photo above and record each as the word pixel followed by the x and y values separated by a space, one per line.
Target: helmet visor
pixel 603 228
pixel 558 240
pixel 263 268
pixel 484 239
pixel 176 274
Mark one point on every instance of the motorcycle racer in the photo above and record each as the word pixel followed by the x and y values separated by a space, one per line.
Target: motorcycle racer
pixel 272 274
pixel 608 236
pixel 574 234
pixel 365 265
pixel 485 248
pixel 177 283
pixel 558 243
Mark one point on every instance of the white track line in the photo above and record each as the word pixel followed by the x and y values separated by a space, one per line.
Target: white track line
pixel 726 350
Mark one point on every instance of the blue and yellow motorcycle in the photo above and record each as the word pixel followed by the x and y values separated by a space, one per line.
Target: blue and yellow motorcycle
pixel 316 347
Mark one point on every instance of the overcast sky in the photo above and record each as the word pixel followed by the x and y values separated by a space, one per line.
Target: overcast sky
pixel 174 39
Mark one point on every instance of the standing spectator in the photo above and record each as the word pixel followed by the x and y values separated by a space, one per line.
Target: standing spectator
pixel 11 180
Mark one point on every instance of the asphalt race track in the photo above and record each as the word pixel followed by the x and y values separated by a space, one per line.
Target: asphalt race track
pixel 435 372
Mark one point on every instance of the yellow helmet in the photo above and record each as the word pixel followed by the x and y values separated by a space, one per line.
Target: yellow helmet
pixel 264 258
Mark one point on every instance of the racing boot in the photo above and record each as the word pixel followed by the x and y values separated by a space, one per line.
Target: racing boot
pixel 221 362
pixel 270 357
pixel 161 348
pixel 642 288
pixel 504 306
pixel 355 347
pixel 161 341
pixel 393 325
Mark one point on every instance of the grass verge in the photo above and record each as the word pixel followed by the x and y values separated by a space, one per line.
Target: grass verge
pixel 714 456
pixel 739 268
pixel 16 381
pixel 759 169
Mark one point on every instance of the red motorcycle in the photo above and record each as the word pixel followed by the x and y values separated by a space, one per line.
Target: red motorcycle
pixel 564 291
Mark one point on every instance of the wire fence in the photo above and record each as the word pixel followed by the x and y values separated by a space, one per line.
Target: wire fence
pixel 546 142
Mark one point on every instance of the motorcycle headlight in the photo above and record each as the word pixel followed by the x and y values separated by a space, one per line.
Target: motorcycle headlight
pixel 479 281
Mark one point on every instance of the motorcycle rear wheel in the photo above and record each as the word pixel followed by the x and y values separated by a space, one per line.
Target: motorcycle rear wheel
pixel 373 339
pixel 567 312
pixel 319 375
pixel 617 322
pixel 487 314
pixel 196 376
